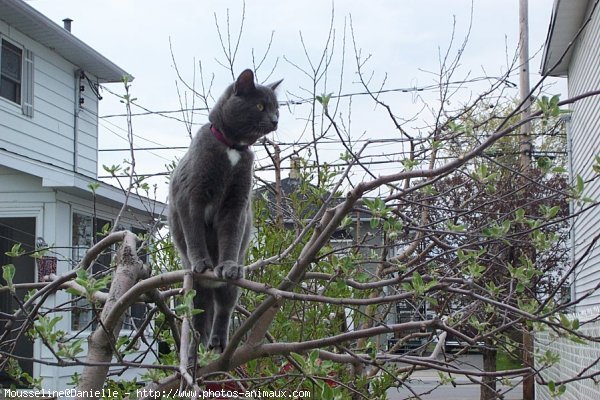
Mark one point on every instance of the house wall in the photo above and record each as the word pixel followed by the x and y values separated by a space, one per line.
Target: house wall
pixel 584 137
pixel 49 135
pixel 584 142
pixel 574 358
pixel 22 195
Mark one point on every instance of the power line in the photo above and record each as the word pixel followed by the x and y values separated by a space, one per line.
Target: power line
pixel 124 138
pixel 345 164
pixel 147 149
pixel 310 100
pixel 149 112
pixel 324 141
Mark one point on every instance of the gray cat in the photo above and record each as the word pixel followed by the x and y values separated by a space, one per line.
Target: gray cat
pixel 210 216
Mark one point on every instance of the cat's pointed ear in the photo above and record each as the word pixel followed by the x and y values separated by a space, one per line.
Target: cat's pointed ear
pixel 274 85
pixel 244 83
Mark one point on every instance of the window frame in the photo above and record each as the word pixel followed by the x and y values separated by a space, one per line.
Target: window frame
pixel 77 253
pixel 22 76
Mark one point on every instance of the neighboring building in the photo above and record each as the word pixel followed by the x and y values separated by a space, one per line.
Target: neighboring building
pixel 48 157
pixel 293 207
pixel 582 69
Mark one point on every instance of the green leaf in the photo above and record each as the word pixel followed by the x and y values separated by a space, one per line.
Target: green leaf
pixel 596 166
pixel 455 228
pixel 520 287
pixel 564 321
pixel 298 358
pixel 552 212
pixel 520 214
pixel 409 164
pixel 113 169
pixel 579 186
pixel 561 390
pixel 327 392
pixel 73 292
pixel 15 251
pixel 432 301
pixel 105 229
pixel 8 273
pixel 417 280
pixel 82 277
pixel 324 99
pixel 544 163
pixel 93 186
pixel 313 357
pixel 578 340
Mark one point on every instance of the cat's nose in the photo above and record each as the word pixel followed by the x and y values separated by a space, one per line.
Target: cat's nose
pixel 274 121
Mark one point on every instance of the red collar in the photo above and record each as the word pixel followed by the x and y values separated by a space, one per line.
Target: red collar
pixel 221 138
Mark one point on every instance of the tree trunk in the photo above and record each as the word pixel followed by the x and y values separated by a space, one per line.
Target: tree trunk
pixel 528 361
pixel 488 387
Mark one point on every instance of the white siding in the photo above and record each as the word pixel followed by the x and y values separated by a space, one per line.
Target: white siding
pixel 87 150
pixel 19 189
pixel 49 135
pixel 584 132
pixel 574 359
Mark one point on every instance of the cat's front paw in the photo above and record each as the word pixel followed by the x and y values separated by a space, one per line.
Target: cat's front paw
pixel 217 343
pixel 202 265
pixel 229 270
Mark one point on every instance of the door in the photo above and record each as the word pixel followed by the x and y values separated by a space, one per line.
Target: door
pixel 13 231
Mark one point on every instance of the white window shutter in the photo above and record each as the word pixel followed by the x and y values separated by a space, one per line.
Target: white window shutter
pixel 27 83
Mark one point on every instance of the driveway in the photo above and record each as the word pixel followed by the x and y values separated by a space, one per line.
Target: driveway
pixel 426 385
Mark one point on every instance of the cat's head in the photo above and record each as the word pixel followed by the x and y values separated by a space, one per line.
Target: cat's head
pixel 246 111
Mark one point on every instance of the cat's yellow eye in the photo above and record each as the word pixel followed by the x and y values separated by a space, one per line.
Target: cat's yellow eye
pixel 260 106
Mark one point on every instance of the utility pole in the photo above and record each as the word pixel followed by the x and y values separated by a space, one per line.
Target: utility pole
pixel 525 148
pixel 525 163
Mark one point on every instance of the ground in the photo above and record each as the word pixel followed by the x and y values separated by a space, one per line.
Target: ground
pixel 428 381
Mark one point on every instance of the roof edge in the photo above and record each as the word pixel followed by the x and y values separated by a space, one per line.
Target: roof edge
pixel 565 23
pixel 116 72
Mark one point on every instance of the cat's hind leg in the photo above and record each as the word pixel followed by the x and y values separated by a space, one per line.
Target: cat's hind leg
pixel 203 300
pixel 226 297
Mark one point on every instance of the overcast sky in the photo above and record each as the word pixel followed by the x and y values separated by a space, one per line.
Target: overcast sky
pixel 404 38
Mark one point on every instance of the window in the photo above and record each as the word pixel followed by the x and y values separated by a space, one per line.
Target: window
pixel 87 231
pixel 10 82
pixel 16 76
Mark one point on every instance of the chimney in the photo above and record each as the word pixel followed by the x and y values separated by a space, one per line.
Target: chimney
pixel 295 163
pixel 67 24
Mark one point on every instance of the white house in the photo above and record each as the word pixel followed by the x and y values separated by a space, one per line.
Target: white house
pixel 581 67
pixel 48 157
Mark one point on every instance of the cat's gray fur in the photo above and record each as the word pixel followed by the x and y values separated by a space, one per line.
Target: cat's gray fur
pixel 209 214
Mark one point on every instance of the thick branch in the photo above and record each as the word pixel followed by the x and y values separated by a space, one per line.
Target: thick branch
pixel 101 341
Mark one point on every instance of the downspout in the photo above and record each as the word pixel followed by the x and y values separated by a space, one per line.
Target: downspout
pixel 567 121
pixel 76 111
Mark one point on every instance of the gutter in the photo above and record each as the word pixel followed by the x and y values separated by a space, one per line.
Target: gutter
pixel 76 111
